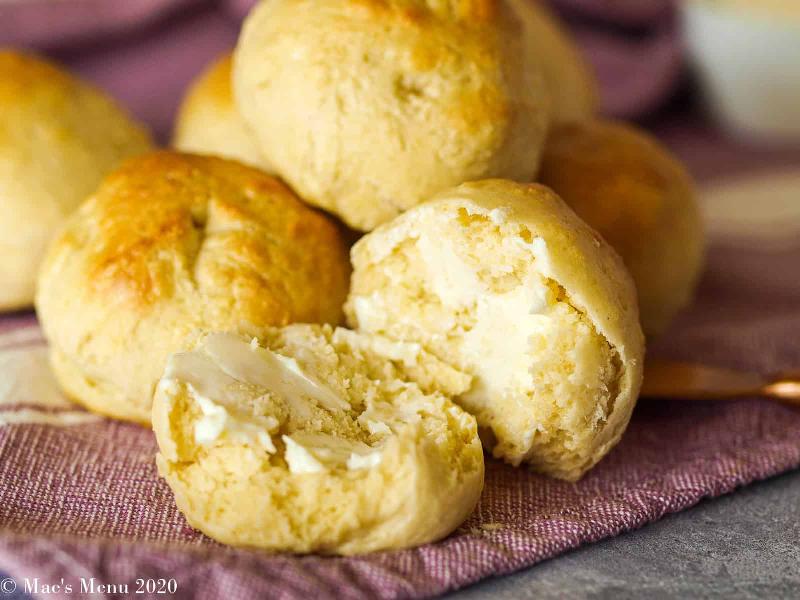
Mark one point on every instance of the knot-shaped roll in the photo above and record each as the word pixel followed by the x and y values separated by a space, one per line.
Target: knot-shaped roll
pixel 168 244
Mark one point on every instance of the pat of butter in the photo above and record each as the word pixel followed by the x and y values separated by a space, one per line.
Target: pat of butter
pixel 452 279
pixel 516 315
pixel 538 247
pixel 281 374
pixel 378 427
pixel 499 216
pixel 318 452
pixel 299 459
pixel 214 379
pixel 363 461
pixel 229 361
pixel 218 424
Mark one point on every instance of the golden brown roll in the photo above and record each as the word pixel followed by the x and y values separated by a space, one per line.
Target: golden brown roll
pixel 573 88
pixel 58 137
pixel 506 283
pixel 310 439
pixel 209 123
pixel 367 107
pixel 168 244
pixel 630 188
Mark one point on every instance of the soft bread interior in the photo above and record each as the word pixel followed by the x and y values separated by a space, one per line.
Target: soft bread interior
pixel 545 378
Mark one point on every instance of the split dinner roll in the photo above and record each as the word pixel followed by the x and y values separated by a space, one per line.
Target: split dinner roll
pixel 58 137
pixel 168 244
pixel 507 283
pixel 368 107
pixel 574 91
pixel 209 123
pixel 314 440
pixel 626 185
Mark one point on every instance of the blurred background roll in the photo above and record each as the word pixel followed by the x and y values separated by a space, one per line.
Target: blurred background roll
pixel 640 198
pixel 208 121
pixel 574 92
pixel 58 137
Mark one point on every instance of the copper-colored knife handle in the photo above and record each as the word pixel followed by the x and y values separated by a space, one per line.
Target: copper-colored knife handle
pixel 784 387
pixel 695 381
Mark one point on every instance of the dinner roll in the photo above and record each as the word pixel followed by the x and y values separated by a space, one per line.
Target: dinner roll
pixel 168 244
pixel 313 440
pixel 209 123
pixel 507 283
pixel 569 79
pixel 640 198
pixel 58 137
pixel 367 107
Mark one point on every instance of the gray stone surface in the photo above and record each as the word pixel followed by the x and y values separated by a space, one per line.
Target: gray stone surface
pixel 744 545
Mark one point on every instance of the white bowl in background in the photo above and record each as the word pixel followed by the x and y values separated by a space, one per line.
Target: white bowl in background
pixel 761 209
pixel 747 55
